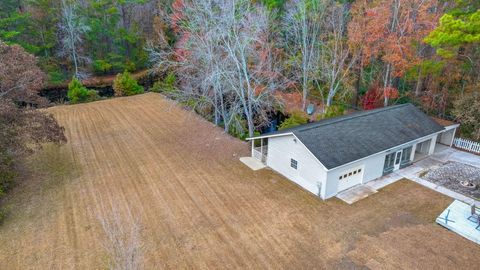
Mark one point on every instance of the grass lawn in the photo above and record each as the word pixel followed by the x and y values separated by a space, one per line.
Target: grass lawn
pixel 200 207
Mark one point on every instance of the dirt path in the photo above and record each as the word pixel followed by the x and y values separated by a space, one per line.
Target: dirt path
pixel 199 207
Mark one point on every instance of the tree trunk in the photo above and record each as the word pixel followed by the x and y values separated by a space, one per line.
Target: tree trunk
pixel 224 114
pixel 385 85
pixel 74 53
pixel 330 95
pixel 126 26
pixel 215 107
pixel 418 87
pixel 358 84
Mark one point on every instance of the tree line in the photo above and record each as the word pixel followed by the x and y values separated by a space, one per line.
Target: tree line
pixel 235 59
pixel 81 37
pixel 238 62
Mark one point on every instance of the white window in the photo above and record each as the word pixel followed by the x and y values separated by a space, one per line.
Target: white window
pixel 293 163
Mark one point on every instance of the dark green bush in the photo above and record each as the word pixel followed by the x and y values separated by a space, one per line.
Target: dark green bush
pixel 130 66
pixel 166 86
pixel 332 111
pixel 54 71
pixel 295 119
pixel 125 85
pixel 56 77
pixel 102 67
pixel 77 93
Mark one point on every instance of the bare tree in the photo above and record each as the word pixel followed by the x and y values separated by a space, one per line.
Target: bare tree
pixel 336 57
pixel 123 239
pixel 72 28
pixel 303 23
pixel 222 46
pixel 244 42
pixel 198 59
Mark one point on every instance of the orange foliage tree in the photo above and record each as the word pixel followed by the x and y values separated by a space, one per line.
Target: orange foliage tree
pixel 391 31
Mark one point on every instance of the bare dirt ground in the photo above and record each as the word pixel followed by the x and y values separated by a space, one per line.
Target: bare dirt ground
pixel 201 208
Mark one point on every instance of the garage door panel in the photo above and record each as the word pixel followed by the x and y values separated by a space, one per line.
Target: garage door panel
pixel 350 178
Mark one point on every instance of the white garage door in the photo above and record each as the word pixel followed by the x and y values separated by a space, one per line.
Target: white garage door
pixel 350 178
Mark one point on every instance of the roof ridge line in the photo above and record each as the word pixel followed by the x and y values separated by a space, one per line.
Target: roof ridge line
pixel 349 117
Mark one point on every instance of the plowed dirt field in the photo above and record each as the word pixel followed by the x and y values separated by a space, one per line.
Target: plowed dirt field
pixel 199 207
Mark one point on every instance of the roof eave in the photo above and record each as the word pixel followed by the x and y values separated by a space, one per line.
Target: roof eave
pixel 450 127
pixel 269 136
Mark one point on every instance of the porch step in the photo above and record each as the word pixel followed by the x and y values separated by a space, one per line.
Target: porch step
pixel 252 163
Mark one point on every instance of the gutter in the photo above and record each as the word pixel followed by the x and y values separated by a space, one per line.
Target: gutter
pixel 383 151
pixel 269 136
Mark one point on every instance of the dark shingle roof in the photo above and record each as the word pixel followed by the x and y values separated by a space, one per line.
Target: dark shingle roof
pixel 344 139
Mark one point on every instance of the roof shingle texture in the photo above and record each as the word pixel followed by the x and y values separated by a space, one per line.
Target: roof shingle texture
pixel 337 141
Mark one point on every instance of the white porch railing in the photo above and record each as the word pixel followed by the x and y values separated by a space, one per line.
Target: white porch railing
pixel 467 145
pixel 260 153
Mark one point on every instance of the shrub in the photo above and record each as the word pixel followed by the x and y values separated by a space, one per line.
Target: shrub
pixel 332 111
pixel 238 128
pixel 77 93
pixel 101 66
pixel 125 85
pixel 167 85
pixel 55 77
pixel 55 73
pixel 130 66
pixel 295 119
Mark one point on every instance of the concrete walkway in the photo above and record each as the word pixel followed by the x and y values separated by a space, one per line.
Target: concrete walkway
pixel 356 193
pixel 413 172
pixel 452 154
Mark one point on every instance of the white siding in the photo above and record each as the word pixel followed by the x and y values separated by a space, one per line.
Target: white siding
pixel 372 168
pixel 447 137
pixel 310 174
pixel 433 141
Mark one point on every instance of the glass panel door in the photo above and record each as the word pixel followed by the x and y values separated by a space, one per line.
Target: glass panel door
pixel 398 157
pixel 407 152
pixel 389 163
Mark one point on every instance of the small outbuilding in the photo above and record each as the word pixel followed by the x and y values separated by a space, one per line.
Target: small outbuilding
pixel 332 155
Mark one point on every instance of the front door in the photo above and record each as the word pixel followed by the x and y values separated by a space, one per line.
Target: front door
pixel 398 158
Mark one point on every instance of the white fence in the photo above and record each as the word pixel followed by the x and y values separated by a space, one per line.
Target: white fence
pixel 467 145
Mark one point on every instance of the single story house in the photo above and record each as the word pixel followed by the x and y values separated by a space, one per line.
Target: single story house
pixel 332 155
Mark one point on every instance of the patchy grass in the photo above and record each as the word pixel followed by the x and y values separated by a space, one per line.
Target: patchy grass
pixel 423 173
pixel 199 207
